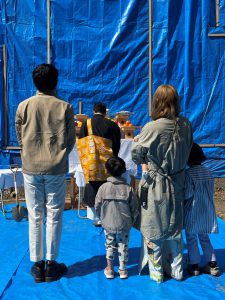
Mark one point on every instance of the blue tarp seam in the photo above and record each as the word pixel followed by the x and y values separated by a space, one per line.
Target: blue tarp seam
pixel 212 92
pixel 9 283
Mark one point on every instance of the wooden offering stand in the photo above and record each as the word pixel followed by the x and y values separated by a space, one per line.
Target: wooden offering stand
pixel 128 131
pixel 127 128
pixel 79 119
pixel 121 119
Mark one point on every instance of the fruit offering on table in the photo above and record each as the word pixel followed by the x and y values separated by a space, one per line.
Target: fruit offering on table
pixel 127 128
pixel 78 123
pixel 121 120
pixel 79 119
pixel 128 123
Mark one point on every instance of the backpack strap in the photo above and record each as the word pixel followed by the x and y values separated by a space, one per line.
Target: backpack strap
pixel 89 127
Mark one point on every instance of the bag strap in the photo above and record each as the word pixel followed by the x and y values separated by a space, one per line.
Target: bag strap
pixel 89 127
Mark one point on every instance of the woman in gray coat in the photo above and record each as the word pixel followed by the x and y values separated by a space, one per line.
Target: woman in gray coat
pixel 163 148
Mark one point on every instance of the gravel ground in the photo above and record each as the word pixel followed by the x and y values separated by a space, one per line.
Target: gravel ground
pixel 219 197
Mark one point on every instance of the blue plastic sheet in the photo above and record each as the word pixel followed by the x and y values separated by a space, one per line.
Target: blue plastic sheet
pixel 1 100
pixel 83 250
pixel 99 47
pixel 101 50
pixel 14 246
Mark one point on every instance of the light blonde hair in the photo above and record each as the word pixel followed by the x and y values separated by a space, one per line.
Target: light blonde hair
pixel 166 102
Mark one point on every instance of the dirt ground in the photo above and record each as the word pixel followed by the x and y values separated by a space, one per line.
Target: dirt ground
pixel 219 197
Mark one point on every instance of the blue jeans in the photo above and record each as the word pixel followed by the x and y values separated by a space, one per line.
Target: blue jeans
pixel 45 197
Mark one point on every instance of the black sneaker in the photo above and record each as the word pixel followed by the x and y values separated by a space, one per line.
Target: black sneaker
pixel 38 271
pixel 54 270
pixel 194 269
pixel 211 268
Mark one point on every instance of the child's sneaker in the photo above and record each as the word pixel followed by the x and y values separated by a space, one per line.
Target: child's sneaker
pixel 194 270
pixel 109 273
pixel 123 274
pixel 211 268
pixel 97 223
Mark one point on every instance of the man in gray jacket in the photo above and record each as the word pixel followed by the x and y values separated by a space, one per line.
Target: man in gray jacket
pixel 45 131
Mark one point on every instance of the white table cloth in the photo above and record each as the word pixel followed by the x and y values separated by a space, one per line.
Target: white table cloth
pixel 6 175
pixel 6 179
pixel 75 167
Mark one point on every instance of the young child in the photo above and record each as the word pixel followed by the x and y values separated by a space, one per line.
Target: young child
pixel 117 207
pixel 199 213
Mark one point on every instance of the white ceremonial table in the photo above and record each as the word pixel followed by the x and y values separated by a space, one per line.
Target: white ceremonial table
pixel 125 154
pixel 6 179
pixel 75 168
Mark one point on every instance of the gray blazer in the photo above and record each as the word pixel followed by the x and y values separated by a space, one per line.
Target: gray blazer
pixel 46 133
pixel 116 205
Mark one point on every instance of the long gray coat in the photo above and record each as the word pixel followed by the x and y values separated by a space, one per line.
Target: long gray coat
pixel 164 145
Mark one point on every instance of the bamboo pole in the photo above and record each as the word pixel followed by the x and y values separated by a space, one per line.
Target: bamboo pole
pixel 12 148
pixel 150 57
pixel 217 13
pixel 80 107
pixel 201 145
pixel 48 32
pixel 212 145
pixel 5 95
pixel 216 34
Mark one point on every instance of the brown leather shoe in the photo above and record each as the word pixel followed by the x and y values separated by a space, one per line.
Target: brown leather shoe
pixel 38 271
pixel 54 271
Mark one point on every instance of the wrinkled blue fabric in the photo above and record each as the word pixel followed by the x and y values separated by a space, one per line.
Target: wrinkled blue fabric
pixel 101 51
pixel 83 251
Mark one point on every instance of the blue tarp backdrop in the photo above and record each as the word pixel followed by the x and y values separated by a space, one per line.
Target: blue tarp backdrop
pixel 101 49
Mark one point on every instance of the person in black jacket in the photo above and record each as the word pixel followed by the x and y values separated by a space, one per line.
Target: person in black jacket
pixel 105 128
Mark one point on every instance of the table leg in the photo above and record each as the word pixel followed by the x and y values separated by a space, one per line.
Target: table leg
pixel 72 190
pixel 132 182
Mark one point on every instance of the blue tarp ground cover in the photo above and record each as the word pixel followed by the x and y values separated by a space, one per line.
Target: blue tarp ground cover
pixel 101 50
pixel 83 250
pixel 13 246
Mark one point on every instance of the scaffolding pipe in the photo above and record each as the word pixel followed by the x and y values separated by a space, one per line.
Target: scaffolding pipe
pixel 201 145
pixel 212 145
pixel 5 95
pixel 217 13
pixel 216 34
pixel 48 31
pixel 150 57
